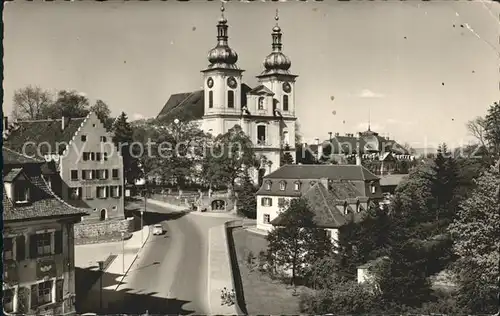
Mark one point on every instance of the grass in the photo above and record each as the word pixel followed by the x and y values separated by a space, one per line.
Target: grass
pixel 263 295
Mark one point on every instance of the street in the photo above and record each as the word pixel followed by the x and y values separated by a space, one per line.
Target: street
pixel 170 275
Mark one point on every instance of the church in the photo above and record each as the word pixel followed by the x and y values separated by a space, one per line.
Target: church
pixel 266 113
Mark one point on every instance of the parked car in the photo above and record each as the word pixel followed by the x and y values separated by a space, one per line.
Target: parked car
pixel 157 229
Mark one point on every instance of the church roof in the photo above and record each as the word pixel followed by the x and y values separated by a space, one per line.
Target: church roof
pixel 191 105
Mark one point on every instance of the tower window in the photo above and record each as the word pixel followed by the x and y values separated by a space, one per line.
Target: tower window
pixel 230 99
pixel 210 99
pixel 261 134
pixel 261 103
pixel 285 103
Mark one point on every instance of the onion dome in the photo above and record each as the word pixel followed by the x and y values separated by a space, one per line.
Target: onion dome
pixel 222 56
pixel 277 61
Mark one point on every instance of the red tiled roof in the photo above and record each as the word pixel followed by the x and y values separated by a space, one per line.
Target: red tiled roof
pixel 43 203
pixel 47 132
pixel 321 202
pixel 190 105
pixel 331 172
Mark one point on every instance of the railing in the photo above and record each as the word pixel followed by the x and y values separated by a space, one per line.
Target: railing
pixel 235 270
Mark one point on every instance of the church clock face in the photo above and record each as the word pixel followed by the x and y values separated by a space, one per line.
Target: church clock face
pixel 210 82
pixel 287 87
pixel 232 83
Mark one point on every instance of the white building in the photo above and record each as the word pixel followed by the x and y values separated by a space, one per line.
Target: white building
pixel 266 113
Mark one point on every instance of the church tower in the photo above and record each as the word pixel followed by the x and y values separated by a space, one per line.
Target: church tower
pixel 281 82
pixel 222 84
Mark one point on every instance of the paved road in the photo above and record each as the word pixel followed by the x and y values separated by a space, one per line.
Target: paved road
pixel 170 276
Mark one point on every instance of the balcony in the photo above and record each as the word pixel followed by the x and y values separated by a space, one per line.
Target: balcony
pixel 263 143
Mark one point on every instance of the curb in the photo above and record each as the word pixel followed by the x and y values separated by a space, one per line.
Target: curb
pixel 133 261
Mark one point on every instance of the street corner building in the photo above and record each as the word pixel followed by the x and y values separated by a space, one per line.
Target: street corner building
pixel 266 113
pixel 335 193
pixel 82 164
pixel 38 251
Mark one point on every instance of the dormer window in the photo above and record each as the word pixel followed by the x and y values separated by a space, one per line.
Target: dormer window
pixel 21 192
pixel 268 185
pixel 297 186
pixel 346 211
pixel 373 188
pixel 282 185
pixel 312 183
pixel 261 103
pixel 358 206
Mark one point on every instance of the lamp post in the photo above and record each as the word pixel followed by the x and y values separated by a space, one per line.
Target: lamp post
pixel 101 270
pixel 123 252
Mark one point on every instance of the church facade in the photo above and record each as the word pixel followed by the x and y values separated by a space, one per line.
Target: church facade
pixel 265 113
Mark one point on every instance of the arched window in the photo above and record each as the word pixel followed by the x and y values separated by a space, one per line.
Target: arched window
pixel 282 185
pixel 297 186
pixel 210 99
pixel 285 102
pixel 346 211
pixel 268 185
pixel 261 103
pixel 286 140
pixel 358 206
pixel 230 99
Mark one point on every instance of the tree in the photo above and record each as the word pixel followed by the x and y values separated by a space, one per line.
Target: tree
pixel 477 129
pixel 247 203
pixel 286 157
pixel 492 127
pixel 69 104
pixel 103 112
pixel 123 139
pixel 298 136
pixel 229 158
pixel 475 231
pixel 299 243
pixel 30 103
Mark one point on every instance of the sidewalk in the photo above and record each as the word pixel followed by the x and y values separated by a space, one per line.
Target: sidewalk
pixel 220 274
pixel 117 270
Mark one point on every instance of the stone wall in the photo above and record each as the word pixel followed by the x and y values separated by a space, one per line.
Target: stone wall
pixel 96 230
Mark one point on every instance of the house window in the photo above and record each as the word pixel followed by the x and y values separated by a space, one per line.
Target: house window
pixel 285 103
pixel 114 173
pixel 373 188
pixel 103 139
pixel 102 174
pixel 8 300
pixel 358 206
pixel 86 156
pixel 210 99
pixel 268 185
pixel 21 192
pixel 92 156
pixel 43 244
pixel 266 202
pixel 8 249
pixel 88 193
pixel 267 219
pixel 230 99
pixel 105 156
pixel 83 138
pixel 261 134
pixel 75 193
pixel 115 191
pixel 98 156
pixel 101 192
pixel 297 186
pixel 286 139
pixel 88 174
pixel 45 292
pixel 282 185
pixel 74 175
pixel 261 103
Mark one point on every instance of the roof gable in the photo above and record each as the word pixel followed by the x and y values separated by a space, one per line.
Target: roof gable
pixel 261 90
pixel 13 174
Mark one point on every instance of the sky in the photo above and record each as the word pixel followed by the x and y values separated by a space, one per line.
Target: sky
pixel 417 71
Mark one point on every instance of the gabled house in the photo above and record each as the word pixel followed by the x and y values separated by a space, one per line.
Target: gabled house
pixel 38 241
pixel 335 193
pixel 83 166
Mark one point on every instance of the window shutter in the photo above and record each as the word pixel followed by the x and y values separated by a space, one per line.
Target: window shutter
pixel 79 193
pixel 93 176
pixel 34 296
pixel 263 201
pixel 59 290
pixel 20 248
pixel 270 202
pixel 33 246
pixel 119 191
pixel 106 174
pixel 58 242
pixel 106 192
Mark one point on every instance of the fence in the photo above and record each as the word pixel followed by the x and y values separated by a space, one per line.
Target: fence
pixel 233 259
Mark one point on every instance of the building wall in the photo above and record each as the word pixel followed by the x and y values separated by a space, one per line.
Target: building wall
pixel 72 159
pixel 20 274
pixel 273 211
pixel 96 229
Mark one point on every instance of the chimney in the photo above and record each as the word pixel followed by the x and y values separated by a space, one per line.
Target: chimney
pixel 63 123
pixel 5 123
pixel 358 155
